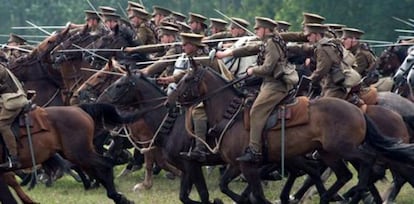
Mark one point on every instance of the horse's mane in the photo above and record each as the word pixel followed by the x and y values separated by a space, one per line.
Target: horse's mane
pixel 218 75
pixel 107 113
pixel 150 81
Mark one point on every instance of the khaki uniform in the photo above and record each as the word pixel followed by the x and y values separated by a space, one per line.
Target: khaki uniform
pixel 220 35
pixel 145 35
pixel 7 116
pixel 272 90
pixel 365 60
pixel 165 68
pixel 327 55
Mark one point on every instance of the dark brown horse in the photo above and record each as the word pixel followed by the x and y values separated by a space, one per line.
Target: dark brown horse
pixel 138 92
pixel 8 179
pixel 70 131
pixel 70 63
pixel 336 136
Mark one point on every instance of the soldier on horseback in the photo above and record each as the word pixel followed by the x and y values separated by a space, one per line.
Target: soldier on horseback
pixel 271 51
pixel 13 99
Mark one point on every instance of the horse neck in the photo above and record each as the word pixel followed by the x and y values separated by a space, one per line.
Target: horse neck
pixel 217 104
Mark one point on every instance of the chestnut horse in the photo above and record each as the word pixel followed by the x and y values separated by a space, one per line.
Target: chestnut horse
pixel 336 129
pixel 70 131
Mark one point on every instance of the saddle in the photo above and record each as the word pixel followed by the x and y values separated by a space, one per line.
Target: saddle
pixel 37 120
pixel 295 113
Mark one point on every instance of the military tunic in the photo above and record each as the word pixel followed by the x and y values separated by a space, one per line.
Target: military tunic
pixel 365 60
pixel 165 68
pixel 272 90
pixel 327 55
pixel 144 35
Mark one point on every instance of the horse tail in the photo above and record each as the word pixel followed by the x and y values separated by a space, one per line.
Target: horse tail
pixel 107 113
pixel 390 147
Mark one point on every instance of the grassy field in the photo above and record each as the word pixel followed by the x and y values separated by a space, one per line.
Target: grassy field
pixel 164 191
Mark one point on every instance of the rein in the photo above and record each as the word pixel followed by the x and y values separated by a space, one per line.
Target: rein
pixel 207 96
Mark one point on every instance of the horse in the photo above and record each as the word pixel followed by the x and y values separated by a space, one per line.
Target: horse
pixel 139 92
pixel 37 73
pixel 347 128
pixel 70 63
pixel 8 179
pixel 70 131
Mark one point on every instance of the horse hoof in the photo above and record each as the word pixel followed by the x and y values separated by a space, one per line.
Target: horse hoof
pixel 140 186
pixel 217 201
pixel 124 200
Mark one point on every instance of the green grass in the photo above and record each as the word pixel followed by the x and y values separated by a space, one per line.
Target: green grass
pixel 164 191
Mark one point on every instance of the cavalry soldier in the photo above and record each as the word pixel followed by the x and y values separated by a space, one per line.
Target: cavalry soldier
pixel 13 100
pixel 184 27
pixel 178 16
pixel 238 28
pixel 16 41
pixel 335 29
pixel 282 26
pixel 217 25
pixel 92 20
pixel 107 9
pixel 328 55
pixel 132 5
pixel 159 14
pixel 365 60
pixel 139 18
pixel 111 20
pixel 272 90
pixel 197 23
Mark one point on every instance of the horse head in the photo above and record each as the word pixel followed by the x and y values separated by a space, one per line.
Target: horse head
pixel 132 90
pixel 116 39
pixel 43 50
pixel 390 59
pixel 404 70
pixel 81 39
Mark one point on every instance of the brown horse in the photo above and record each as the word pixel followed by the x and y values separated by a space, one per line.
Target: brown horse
pixel 5 195
pixel 70 131
pixel 336 129
pixel 37 73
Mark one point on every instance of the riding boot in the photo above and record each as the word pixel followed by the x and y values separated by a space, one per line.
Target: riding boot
pixel 250 155
pixel 199 152
pixel 10 141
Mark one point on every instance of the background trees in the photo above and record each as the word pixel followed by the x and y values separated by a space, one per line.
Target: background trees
pixel 374 17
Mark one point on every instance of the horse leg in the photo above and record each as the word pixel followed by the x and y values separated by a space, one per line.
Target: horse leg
pixel 229 175
pixel 199 181
pixel 185 189
pixel 163 163
pixel 149 163
pixel 10 179
pixel 342 173
pixel 401 174
pixel 252 175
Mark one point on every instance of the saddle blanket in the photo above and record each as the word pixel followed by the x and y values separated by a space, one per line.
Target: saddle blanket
pixel 37 122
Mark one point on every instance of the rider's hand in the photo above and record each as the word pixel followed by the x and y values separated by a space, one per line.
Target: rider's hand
pixel 165 80
pixel 223 54
pixel 249 71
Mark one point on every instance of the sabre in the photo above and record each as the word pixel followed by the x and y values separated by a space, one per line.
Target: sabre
pixel 224 15
pixel 25 36
pixel 15 47
pixel 405 37
pixel 375 41
pixel 169 60
pixel 92 50
pixel 29 28
pixel 92 53
pixel 395 44
pixel 403 21
pixel 123 12
pixel 41 29
pixel 29 136
pixel 102 71
pixel 404 31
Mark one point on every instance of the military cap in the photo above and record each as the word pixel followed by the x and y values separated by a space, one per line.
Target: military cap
pixel 161 11
pixel 192 38
pixel 334 26
pixel 352 33
pixel 178 16
pixel 237 22
pixel 89 14
pixel 17 39
pixel 195 17
pixel 312 18
pixel 140 13
pixel 184 27
pixel 170 24
pixel 110 16
pixel 107 9
pixel 265 23
pixel 283 25
pixel 218 23
pixel 132 5
pixel 314 28
pixel 168 30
